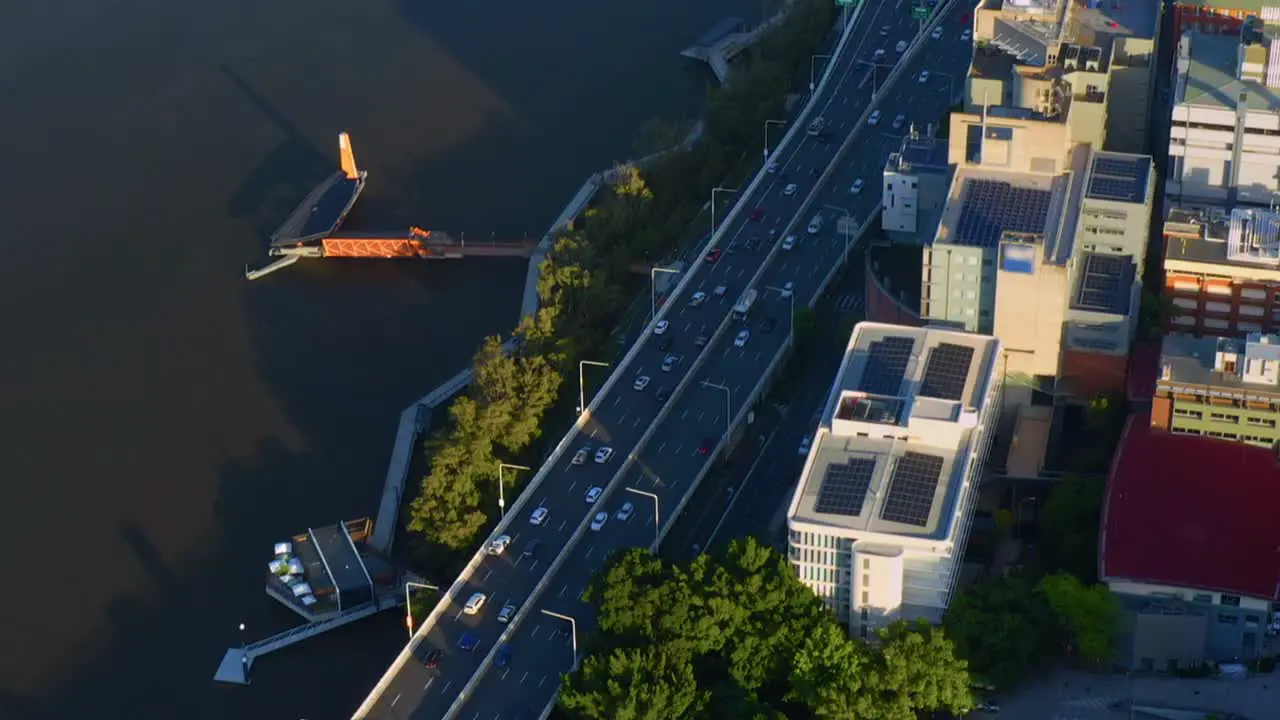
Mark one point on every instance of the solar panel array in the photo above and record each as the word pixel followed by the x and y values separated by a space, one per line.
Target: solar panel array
pixel 1103 285
pixel 911 490
pixel 946 371
pixel 844 487
pixel 992 207
pixel 1118 179
pixel 886 365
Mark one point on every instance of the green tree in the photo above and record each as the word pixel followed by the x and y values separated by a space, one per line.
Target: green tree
pixel 1088 615
pixel 917 671
pixel 829 675
pixel 446 509
pixel 1069 525
pixel 1003 628
pixel 633 684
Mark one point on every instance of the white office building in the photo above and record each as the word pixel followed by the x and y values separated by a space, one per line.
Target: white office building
pixel 879 519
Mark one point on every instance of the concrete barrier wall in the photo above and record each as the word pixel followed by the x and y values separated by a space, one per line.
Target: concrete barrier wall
pixel 881 305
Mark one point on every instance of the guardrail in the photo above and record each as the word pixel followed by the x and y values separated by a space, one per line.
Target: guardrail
pixel 446 598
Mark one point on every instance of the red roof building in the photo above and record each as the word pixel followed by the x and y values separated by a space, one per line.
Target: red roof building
pixel 1192 512
pixel 1191 544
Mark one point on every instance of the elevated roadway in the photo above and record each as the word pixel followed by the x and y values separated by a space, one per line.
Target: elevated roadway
pixel 658 445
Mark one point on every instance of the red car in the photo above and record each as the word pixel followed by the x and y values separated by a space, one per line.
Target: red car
pixel 757 215
pixel 714 255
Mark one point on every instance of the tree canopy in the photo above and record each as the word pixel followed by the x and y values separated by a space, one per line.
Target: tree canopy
pixel 736 635
pixel 584 282
pixel 1069 526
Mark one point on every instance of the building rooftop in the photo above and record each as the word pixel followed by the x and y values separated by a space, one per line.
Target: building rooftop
pixel 1105 283
pixel 1191 512
pixel 1207 74
pixel 985 205
pixel 1028 29
pixel 1118 177
pixel 919 154
pixel 1251 365
pixel 890 452
pixel 1242 237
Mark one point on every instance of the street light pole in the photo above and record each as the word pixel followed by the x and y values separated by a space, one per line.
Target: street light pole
pixel 728 418
pixel 408 609
pixel 715 190
pixel 244 655
pixel 792 297
pixel 502 498
pixel 573 628
pixel 767 123
pixel 848 218
pixel 813 60
pixel 656 524
pixel 582 396
pixel 653 290
pixel 875 75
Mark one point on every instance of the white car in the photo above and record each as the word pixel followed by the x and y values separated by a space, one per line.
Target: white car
pixel 624 512
pixel 804 445
pixel 924 76
pixel 697 299
pixel 789 242
pixel 593 494
pixel 499 544
pixel 790 189
pixel 661 327
pixel 539 516
pixel 599 520
pixel 669 362
pixel 874 119
pixel 788 289
pixel 856 187
pixel 474 603
pixel 966 35
pixel 506 613
pixel 642 382
pixel 773 168
pixel 603 455
pixel 741 340
pixel 898 121
pixel 937 33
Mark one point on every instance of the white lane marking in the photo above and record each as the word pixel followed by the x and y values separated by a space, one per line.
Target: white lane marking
pixel 524 677
pixel 594 430
pixel 590 550
pixel 533 566
pixel 486 576
pixel 445 690
pixel 561 593
pixel 617 398
pixel 661 445
pixel 700 416
pixel 573 485
pixel 621 419
pixel 393 702
pixel 678 449
pixel 562 524
pixel 536 628
pixel 637 422
pixel 429 681
pixel 684 414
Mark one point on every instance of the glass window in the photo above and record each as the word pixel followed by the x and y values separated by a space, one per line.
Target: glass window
pixel 1231 600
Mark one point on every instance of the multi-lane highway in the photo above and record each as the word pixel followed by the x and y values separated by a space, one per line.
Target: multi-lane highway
pixel 527 672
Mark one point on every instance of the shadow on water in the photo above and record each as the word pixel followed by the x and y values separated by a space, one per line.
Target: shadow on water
pixel 327 336
pixel 285 176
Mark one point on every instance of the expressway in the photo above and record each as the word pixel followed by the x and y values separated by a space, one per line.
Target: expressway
pixel 672 458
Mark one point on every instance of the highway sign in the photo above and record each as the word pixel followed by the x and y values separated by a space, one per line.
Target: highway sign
pixel 847 3
pixel 919 12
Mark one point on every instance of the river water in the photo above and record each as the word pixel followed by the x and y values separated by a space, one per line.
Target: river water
pixel 164 421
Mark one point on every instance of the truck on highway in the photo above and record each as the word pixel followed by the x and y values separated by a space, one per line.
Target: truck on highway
pixel 744 304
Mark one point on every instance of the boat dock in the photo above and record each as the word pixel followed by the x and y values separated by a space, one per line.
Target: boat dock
pixel 331 576
pixel 312 230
